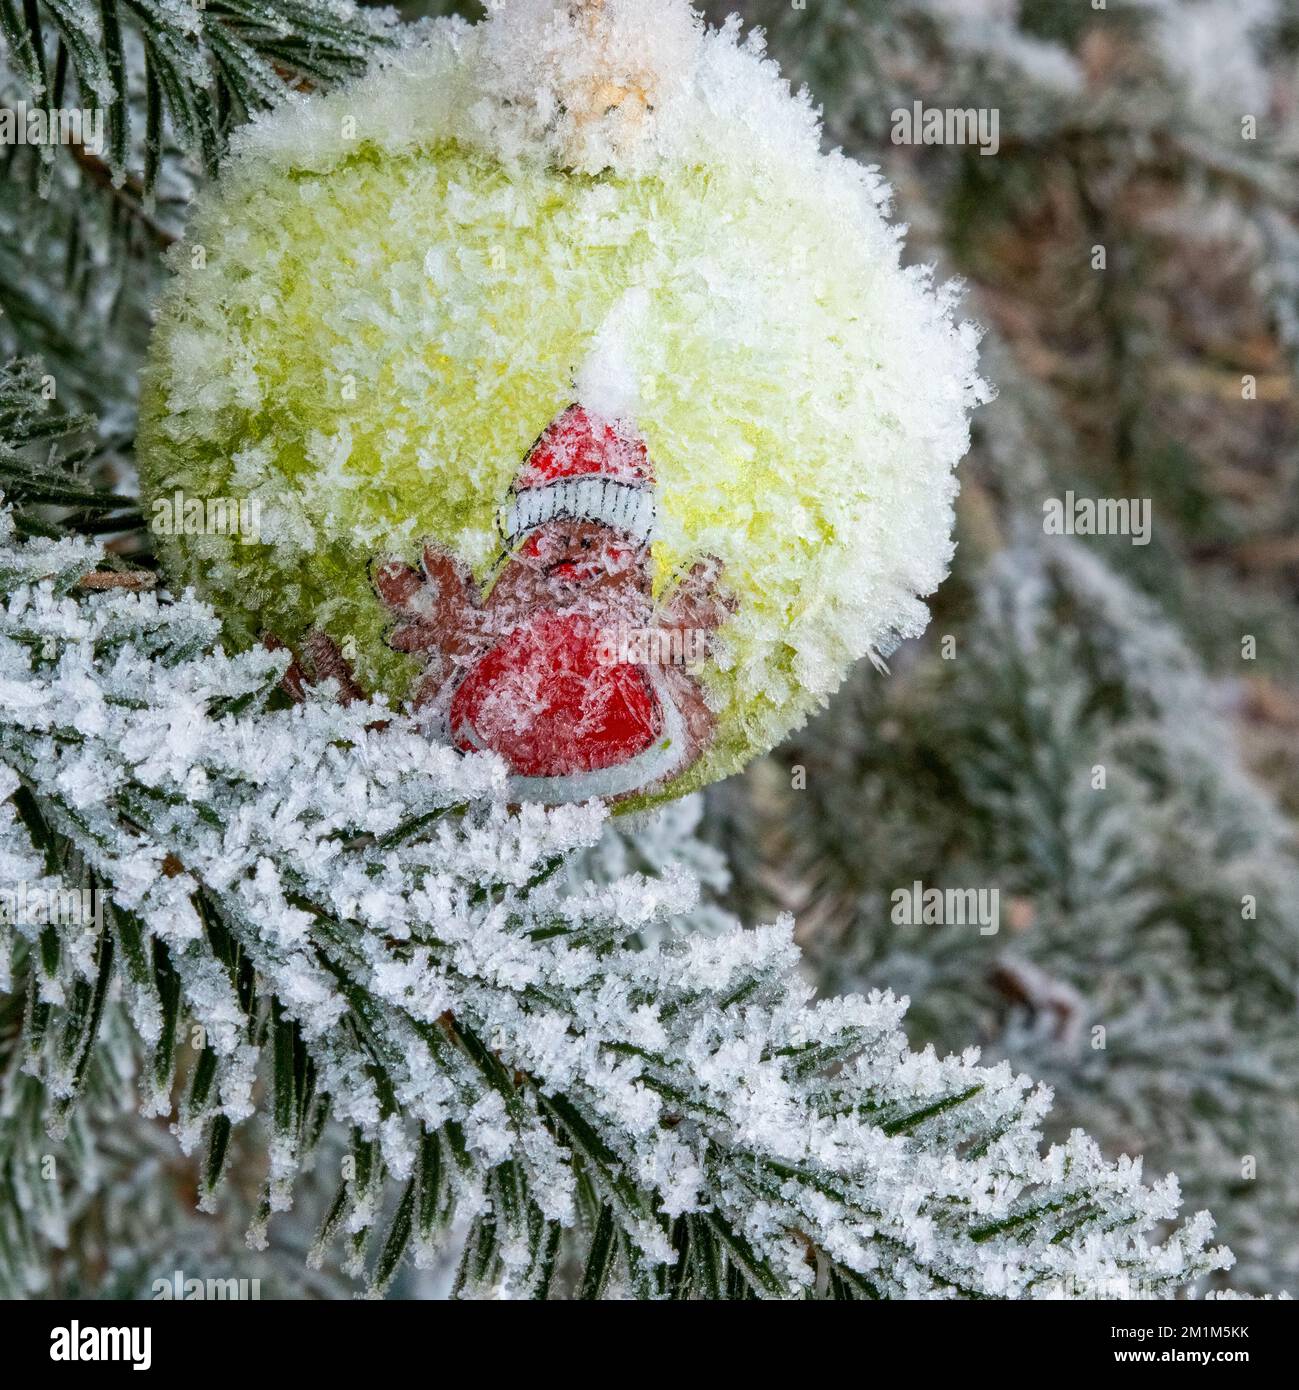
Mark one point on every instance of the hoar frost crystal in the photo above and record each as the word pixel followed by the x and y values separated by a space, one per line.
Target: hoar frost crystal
pixel 585 402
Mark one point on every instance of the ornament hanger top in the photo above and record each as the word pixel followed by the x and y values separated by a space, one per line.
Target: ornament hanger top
pixel 603 67
pixel 598 96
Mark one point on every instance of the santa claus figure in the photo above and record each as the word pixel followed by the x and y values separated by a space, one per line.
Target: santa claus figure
pixel 565 666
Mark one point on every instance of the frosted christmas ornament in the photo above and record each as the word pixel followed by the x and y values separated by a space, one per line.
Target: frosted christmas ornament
pixel 586 406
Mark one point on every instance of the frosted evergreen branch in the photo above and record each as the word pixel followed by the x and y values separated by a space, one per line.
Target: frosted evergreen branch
pixel 48 459
pixel 355 914
pixel 1122 914
pixel 191 69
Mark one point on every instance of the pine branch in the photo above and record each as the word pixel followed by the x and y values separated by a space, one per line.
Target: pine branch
pixel 50 466
pixel 156 89
pixel 675 1118
pixel 76 277
pixel 1154 909
pixel 203 67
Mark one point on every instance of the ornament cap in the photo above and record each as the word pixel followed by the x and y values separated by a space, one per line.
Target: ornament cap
pixel 599 70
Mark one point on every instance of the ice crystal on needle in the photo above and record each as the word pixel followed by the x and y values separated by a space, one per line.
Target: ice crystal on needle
pixel 357 914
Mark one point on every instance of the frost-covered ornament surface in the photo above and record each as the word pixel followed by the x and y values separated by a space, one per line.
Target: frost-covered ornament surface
pixel 583 399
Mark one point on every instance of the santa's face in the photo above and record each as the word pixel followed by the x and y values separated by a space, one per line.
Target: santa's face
pixel 564 564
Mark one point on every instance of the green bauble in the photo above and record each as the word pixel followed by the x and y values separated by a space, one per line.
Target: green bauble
pixel 395 289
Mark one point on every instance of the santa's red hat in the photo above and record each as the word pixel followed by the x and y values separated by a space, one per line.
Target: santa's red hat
pixel 583 468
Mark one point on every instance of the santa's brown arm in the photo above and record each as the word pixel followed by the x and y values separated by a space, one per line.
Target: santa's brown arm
pixel 327 662
pixel 320 660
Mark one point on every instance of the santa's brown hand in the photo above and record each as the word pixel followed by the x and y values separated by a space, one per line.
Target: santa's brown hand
pixel 453 582
pixel 397 584
pixel 698 605
pixel 438 606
